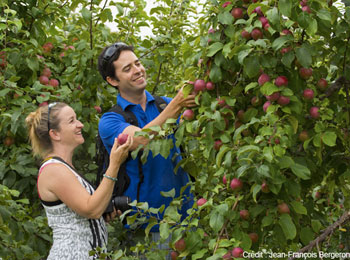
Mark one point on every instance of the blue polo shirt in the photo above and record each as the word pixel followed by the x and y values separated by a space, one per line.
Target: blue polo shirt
pixel 158 172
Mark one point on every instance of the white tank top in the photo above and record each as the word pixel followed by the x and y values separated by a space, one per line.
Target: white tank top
pixel 73 235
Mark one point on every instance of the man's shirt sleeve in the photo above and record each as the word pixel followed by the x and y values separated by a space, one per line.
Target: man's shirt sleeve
pixel 109 127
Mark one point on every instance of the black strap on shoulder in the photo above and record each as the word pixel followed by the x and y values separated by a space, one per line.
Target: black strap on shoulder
pixel 123 178
pixel 160 103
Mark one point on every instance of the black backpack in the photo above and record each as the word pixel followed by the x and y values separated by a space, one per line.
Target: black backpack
pixel 102 156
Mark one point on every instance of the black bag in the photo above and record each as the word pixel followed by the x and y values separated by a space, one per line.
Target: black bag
pixel 102 155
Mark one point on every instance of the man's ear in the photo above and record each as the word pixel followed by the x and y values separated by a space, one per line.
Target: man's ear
pixel 112 81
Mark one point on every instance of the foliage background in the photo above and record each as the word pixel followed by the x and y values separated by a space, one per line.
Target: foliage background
pixel 182 49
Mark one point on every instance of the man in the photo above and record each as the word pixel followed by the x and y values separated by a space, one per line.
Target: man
pixel 121 68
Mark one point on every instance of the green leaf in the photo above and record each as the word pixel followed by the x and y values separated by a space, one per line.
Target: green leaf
pixel 269 88
pixel 86 14
pixel 280 41
pixel 312 27
pixel 287 226
pixel 316 225
pixel 285 6
pixel 294 123
pixel 329 138
pixel 298 207
pixel 214 48
pixel 33 64
pixel 251 66
pixel 267 221
pixel 324 15
pixel 168 194
pixel 164 230
pixel 215 74
pixel 288 58
pixel 250 86
pixel 225 18
pixel 306 235
pixel 304 56
pixel 301 171
pixel 216 221
pixel 268 153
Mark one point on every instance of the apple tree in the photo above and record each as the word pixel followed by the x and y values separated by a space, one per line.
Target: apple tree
pixel 268 144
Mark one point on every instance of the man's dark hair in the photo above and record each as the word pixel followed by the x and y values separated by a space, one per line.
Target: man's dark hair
pixel 105 64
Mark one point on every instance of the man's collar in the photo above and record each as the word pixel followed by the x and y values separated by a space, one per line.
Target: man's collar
pixel 123 103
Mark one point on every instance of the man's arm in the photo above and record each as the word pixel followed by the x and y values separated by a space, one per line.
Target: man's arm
pixel 172 110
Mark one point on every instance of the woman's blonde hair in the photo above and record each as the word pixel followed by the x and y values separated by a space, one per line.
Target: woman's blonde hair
pixel 38 127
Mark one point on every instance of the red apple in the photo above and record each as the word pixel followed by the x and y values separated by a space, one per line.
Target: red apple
pixel 3 61
pixel 188 114
pixel 45 103
pixel 227 256
pixel 201 201
pixel 282 100
pixel 210 85
pixel 303 2
pixel 286 32
pixel 174 255
pixel 46 72
pixel 265 187
pixel 47 47
pixel 237 13
pixel 273 96
pixel 226 4
pixel 199 85
pixel 258 11
pixel 238 124
pixel 306 8
pixel 44 80
pixel 285 50
pixel 254 237
pixel 246 34
pixel 266 105
pixel 122 138
pixel 263 79
pixel 211 30
pixel 236 184
pixel 303 136
pixel 217 145
pixel 8 141
pixel 277 141
pixel 263 20
pixel 322 84
pixel 237 252
pixel 308 93
pixel 256 34
pixel 98 109
pixel 180 245
pixel 54 83
pixel 283 208
pixel 224 180
pixel 244 214
pixel 281 81
pixel 255 101
pixel 314 112
pixel 305 73
pixel 221 102
pixel 240 115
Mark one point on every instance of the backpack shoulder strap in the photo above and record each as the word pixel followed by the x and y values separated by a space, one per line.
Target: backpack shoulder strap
pixel 160 103
pixel 127 114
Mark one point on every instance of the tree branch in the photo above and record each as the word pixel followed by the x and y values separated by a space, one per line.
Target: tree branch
pixel 158 79
pixel 224 227
pixel 91 34
pixel 104 6
pixel 343 219
pixel 336 86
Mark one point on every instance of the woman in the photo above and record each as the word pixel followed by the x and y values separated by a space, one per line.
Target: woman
pixel 73 208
